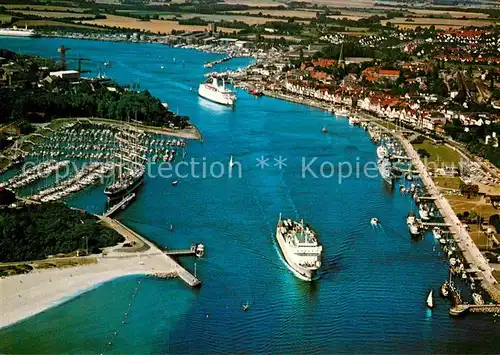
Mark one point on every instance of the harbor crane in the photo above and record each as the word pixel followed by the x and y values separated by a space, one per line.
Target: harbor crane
pixel 63 59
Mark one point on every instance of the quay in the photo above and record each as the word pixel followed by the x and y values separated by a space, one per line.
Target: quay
pixel 399 157
pixel 469 249
pixel 120 205
pixel 150 249
pixel 195 250
pixel 218 61
pixel 433 224
pixel 462 309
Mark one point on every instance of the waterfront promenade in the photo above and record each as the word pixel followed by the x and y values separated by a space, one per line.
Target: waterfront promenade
pixel 472 254
pixel 470 251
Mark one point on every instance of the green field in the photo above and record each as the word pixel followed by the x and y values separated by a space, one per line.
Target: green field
pixel 5 18
pixel 439 154
pixel 448 182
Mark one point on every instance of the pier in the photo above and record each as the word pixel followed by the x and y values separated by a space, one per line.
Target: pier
pixel 218 61
pixel 463 309
pixel 120 205
pixel 150 249
pixel 194 250
pixel 434 224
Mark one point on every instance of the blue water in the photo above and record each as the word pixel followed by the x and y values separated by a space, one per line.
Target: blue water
pixel 371 294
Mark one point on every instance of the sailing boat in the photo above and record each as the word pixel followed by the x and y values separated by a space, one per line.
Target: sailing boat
pixel 430 303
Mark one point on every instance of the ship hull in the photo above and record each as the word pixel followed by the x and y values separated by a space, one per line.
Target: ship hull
pixel 216 97
pixel 18 34
pixel 299 271
pixel 120 194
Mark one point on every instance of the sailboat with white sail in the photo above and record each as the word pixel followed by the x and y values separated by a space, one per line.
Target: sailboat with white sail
pixel 430 302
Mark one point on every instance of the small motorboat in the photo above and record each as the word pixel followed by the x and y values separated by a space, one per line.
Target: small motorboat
pixel 174 183
pixel 445 292
pixel 246 306
pixel 324 130
pixel 478 299
pixel 374 222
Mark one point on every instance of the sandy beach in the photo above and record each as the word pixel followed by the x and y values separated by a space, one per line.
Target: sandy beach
pixel 22 296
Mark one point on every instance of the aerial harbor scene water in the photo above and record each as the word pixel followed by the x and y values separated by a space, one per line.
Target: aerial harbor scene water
pixel 213 203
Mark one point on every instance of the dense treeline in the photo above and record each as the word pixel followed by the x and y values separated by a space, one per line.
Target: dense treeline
pixel 34 232
pixel 61 99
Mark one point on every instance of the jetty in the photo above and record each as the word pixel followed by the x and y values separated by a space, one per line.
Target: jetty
pixel 196 249
pixel 151 249
pixel 120 205
pixel 462 309
pixel 434 224
pixel 218 61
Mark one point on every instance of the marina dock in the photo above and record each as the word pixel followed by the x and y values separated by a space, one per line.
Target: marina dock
pixel 468 248
pixel 463 309
pixel 218 61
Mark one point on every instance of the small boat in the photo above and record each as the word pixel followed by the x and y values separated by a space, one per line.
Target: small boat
pixel 246 307
pixel 200 250
pixel 437 233
pixel 324 130
pixel 174 183
pixel 162 66
pixel 478 299
pixel 445 292
pixel 171 227
pixel 256 92
pixel 374 222
pixel 430 303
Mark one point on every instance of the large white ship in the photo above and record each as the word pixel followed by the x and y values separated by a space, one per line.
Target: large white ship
pixel 300 248
pixel 18 32
pixel 219 94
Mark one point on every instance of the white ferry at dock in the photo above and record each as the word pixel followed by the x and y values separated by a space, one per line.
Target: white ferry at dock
pixel 300 248
pixel 18 32
pixel 218 94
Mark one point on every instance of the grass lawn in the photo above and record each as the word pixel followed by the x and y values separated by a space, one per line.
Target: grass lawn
pixel 448 182
pixel 439 154
pixel 5 18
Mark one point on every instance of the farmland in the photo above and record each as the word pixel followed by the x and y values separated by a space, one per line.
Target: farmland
pixel 155 26
pixel 442 22
pixel 285 13
pixel 43 8
pixel 5 18
pixel 50 23
pixel 53 14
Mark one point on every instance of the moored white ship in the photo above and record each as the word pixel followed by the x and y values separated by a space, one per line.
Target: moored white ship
pixel 300 248
pixel 385 169
pixel 219 94
pixel 18 32
pixel 381 151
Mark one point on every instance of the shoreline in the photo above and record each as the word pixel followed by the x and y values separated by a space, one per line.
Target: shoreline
pixel 192 132
pixel 468 248
pixel 26 295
